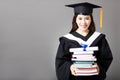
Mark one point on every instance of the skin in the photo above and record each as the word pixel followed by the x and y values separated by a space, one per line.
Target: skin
pixel 83 22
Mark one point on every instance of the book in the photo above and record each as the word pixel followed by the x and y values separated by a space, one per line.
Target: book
pixel 84 62
pixel 86 70
pixel 83 56
pixel 83 59
pixel 82 49
pixel 86 74
pixel 85 65
pixel 83 52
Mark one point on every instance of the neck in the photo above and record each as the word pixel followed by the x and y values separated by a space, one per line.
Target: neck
pixel 84 33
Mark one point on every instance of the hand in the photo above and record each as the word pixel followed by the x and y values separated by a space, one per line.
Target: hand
pixel 98 69
pixel 72 68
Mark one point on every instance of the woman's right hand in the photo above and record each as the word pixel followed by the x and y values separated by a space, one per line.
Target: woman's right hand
pixel 72 69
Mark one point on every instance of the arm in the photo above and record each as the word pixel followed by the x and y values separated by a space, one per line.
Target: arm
pixel 63 61
pixel 105 57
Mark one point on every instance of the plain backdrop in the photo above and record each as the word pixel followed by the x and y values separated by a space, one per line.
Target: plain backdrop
pixel 29 33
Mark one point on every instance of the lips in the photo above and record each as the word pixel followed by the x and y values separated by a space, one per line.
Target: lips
pixel 84 26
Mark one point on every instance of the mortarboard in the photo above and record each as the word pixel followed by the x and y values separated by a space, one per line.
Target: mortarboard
pixel 86 8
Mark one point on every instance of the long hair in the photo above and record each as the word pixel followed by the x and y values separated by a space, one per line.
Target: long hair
pixel 75 26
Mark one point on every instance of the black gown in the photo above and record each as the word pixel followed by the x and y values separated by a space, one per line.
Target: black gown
pixel 63 57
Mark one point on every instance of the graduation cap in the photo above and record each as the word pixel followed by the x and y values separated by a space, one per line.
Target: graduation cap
pixel 86 8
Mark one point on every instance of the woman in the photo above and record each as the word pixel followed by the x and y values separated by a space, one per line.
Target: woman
pixel 83 28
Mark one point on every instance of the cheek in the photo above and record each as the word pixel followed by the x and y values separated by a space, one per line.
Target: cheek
pixel 89 22
pixel 78 22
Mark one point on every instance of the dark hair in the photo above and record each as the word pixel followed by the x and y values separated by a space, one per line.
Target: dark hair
pixel 75 26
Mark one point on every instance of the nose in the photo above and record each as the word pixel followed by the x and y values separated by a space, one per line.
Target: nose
pixel 83 21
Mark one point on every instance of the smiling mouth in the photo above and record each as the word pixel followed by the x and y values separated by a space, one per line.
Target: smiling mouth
pixel 84 26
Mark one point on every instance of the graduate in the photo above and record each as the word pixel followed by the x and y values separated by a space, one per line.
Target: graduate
pixel 83 32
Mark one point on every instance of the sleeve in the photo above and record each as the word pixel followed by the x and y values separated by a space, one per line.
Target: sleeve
pixel 62 62
pixel 105 57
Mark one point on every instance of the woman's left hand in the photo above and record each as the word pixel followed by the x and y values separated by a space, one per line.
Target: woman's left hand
pixel 98 69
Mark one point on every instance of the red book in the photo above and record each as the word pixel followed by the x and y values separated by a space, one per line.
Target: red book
pixel 86 70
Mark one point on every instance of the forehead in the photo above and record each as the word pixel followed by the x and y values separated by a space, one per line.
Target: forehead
pixel 81 15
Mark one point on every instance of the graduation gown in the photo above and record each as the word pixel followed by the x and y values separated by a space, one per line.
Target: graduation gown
pixel 63 57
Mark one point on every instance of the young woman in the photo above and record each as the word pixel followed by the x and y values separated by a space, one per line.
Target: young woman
pixel 83 28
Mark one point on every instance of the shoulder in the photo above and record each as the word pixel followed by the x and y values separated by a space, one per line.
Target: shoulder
pixel 102 35
pixel 64 37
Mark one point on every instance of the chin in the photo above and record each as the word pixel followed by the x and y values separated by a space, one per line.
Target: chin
pixel 84 29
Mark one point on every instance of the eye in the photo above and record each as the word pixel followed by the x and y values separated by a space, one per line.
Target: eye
pixel 80 18
pixel 87 18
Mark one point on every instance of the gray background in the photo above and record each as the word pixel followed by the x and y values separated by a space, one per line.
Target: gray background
pixel 29 32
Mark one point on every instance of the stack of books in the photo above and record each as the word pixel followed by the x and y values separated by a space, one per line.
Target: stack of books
pixel 84 61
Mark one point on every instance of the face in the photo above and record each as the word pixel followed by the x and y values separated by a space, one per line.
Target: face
pixel 83 22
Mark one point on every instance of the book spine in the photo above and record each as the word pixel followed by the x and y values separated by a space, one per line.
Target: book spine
pixel 85 66
pixel 86 74
pixel 83 56
pixel 87 71
pixel 80 50
pixel 86 62
pixel 83 59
